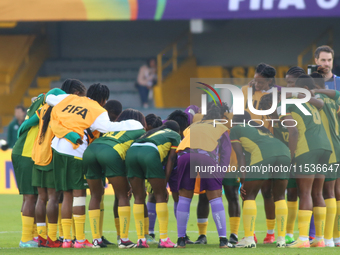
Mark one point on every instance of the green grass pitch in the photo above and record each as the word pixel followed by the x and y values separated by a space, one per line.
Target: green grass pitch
pixel 10 232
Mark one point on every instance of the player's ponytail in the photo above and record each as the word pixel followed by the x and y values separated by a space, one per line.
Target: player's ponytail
pixel 46 122
pixel 153 121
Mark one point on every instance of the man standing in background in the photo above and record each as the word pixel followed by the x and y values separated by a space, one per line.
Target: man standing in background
pixel 324 56
pixel 19 117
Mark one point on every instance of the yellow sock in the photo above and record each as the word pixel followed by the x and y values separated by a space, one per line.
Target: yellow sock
pixel 234 223
pixel 163 219
pixel 101 220
pixel 249 217
pixel 304 217
pixel 117 226
pixel 292 213
pixel 138 213
pixel 146 225
pixel 79 222
pixel 42 231
pixel 330 217
pixel 319 220
pixel 94 216
pixel 35 230
pixel 270 224
pixel 281 212
pixel 336 231
pixel 27 228
pixel 202 227
pixel 73 227
pixel 52 231
pixel 59 222
pixel 66 225
pixel 124 213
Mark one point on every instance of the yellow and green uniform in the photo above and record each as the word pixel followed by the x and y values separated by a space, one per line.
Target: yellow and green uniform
pixel 281 133
pixel 147 155
pixel 313 146
pixel 22 152
pixel 106 155
pixel 42 173
pixel 329 117
pixel 261 149
pixel 256 98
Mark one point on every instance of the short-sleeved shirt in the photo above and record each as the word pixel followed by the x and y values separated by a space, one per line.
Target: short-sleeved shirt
pixel 330 122
pixel 165 140
pixel 333 83
pixel 257 145
pixel 120 140
pixel 24 144
pixel 312 134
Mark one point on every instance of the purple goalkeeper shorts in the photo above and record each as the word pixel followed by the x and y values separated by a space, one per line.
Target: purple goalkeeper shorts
pixel 173 181
pixel 183 172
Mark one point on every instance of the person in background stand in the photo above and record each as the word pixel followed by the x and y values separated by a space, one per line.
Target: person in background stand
pixel 324 56
pixel 19 117
pixel 146 79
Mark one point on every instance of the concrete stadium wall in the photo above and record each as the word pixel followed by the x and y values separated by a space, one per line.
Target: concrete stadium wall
pixel 226 43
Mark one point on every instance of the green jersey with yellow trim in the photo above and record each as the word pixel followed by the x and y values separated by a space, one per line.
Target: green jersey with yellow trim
pixel 120 140
pixel 25 142
pixel 164 139
pixel 257 145
pixel 281 133
pixel 312 134
pixel 329 117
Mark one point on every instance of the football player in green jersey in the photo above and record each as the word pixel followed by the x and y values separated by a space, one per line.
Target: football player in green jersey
pixel 282 133
pixel 310 151
pixel 336 232
pixel 144 160
pixel 23 165
pixel 331 124
pixel 257 150
pixel 105 157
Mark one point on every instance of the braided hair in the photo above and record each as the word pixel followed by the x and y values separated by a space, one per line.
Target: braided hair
pixel 295 71
pixel 133 114
pixel 71 86
pixel 216 111
pixel 153 121
pixel 98 92
pixel 267 101
pixel 180 117
pixel 305 81
pixel 170 124
pixel 266 71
